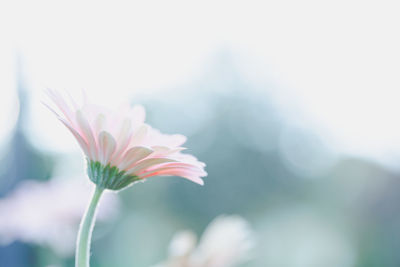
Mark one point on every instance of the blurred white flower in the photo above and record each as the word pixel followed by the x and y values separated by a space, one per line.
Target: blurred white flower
pixel 48 213
pixel 226 242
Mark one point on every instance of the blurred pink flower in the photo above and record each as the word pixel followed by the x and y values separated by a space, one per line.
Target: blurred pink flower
pixel 48 213
pixel 121 143
pixel 226 242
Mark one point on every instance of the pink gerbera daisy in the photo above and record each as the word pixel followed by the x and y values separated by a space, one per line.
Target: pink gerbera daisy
pixel 120 148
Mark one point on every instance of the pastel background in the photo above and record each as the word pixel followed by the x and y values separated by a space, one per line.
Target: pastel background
pixel 293 105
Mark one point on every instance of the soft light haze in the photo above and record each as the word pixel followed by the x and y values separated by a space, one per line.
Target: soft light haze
pixel 335 62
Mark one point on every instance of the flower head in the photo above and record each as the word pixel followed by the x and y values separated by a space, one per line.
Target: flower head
pixel 120 148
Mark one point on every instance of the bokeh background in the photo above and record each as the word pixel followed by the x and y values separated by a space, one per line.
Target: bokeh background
pixel 293 105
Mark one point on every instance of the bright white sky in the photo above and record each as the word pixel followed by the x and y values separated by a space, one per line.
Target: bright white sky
pixel 337 62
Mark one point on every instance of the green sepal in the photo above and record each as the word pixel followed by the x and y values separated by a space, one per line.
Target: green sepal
pixel 109 177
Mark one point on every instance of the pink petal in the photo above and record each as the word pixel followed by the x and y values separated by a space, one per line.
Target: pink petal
pixel 107 146
pixel 78 137
pixel 123 140
pixel 165 151
pixel 155 137
pixel 139 135
pixel 144 164
pixel 189 159
pixel 87 133
pixel 133 155
pixel 175 140
pixel 99 123
pixel 61 104
pixel 174 165
pixel 194 177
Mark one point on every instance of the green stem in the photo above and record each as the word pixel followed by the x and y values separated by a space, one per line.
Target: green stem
pixel 85 231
